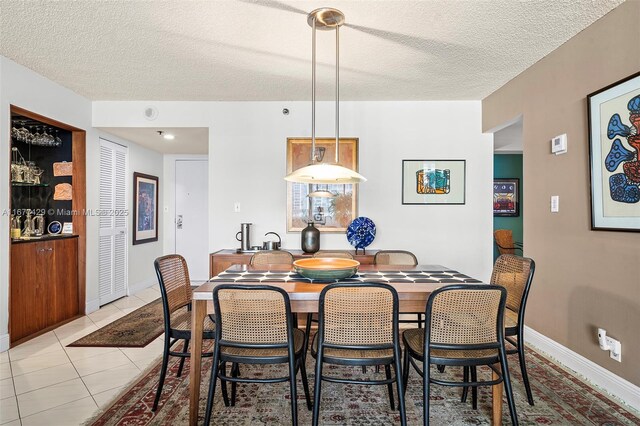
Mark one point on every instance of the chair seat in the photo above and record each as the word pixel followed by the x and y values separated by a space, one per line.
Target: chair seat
pixel 510 321
pixel 267 354
pixel 181 324
pixel 414 342
pixel 333 355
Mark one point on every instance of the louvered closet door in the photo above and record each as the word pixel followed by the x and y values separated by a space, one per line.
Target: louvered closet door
pixel 113 222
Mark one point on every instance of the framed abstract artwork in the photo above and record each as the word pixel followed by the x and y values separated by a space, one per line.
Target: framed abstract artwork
pixel 433 181
pixel 334 210
pixel 145 208
pixel 506 197
pixel 614 140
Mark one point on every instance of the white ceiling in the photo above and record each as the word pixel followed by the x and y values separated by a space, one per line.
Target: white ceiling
pixel 260 50
pixel 189 140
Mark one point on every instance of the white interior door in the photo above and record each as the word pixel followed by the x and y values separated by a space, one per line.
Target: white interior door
pixel 192 218
pixel 113 222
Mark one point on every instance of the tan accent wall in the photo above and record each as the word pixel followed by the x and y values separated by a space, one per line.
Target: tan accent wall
pixel 584 279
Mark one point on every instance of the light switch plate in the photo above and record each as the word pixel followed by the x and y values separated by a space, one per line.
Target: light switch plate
pixel 236 207
pixel 555 203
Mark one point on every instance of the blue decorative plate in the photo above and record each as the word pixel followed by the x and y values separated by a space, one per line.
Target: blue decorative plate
pixel 361 232
pixel 54 227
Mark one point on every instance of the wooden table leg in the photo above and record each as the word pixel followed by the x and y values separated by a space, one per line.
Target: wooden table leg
pixel 496 419
pixel 198 312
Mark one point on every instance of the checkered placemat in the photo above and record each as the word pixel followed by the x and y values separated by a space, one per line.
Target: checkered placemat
pixel 412 276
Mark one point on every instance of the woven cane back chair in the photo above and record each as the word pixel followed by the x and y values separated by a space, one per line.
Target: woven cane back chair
pixel 358 325
pixel 505 243
pixel 271 257
pixel 515 274
pixel 400 258
pixel 395 257
pixel 175 288
pixel 254 326
pixel 464 327
pixel 341 254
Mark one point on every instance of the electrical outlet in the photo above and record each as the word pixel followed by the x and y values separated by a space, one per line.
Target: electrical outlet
pixel 615 349
pixel 236 207
pixel 555 203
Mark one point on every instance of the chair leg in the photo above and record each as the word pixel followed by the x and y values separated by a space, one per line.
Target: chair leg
pixel 426 378
pixel 223 384
pixel 523 369
pixel 318 386
pixel 305 383
pixel 405 373
pixel 307 335
pixel 163 372
pixel 234 373
pixel 387 372
pixel 212 384
pixel 399 384
pixel 419 320
pixel 474 389
pixel 465 379
pixel 293 390
pixel 440 368
pixel 507 386
pixel 185 349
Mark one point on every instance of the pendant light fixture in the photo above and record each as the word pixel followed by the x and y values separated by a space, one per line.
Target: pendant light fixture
pixel 326 19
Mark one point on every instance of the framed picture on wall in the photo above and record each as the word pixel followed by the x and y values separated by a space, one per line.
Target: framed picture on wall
pixel 145 208
pixel 614 140
pixel 334 206
pixel 506 197
pixel 433 181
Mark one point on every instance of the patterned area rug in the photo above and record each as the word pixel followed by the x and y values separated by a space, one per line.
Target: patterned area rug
pixel 560 397
pixel 134 330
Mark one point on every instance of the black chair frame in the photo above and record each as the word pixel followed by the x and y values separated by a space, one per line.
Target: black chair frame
pixel 296 363
pixel 388 362
pixel 171 337
pixel 427 359
pixel 518 348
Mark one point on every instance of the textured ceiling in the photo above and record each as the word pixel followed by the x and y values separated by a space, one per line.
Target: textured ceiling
pixel 189 140
pixel 260 50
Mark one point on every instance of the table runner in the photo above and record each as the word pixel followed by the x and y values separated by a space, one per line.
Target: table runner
pixel 397 276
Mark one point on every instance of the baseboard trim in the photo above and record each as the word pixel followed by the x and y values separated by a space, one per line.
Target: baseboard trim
pixel 139 286
pixel 594 373
pixel 92 306
pixel 4 342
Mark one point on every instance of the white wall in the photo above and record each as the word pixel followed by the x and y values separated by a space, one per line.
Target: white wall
pixel 22 87
pixel 140 266
pixel 247 142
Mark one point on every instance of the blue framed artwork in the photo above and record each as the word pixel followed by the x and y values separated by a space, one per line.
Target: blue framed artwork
pixel 145 208
pixel 614 140
pixel 433 181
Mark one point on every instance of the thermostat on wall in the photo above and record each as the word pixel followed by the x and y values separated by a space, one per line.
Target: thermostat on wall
pixel 559 144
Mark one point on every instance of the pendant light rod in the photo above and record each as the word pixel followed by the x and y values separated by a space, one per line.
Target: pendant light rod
pixel 337 94
pixel 313 91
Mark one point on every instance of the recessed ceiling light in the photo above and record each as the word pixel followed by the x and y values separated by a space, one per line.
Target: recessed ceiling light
pixel 167 136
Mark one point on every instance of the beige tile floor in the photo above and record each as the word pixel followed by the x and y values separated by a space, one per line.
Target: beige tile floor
pixel 42 382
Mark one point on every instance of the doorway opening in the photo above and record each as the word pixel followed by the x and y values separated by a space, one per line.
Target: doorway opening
pixel 508 183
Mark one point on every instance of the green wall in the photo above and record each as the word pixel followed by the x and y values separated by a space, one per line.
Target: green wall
pixel 508 166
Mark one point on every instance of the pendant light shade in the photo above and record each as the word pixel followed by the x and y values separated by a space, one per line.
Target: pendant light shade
pixel 322 173
pixel 325 174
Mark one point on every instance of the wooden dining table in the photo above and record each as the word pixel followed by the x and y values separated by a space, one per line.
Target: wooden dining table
pixel 414 284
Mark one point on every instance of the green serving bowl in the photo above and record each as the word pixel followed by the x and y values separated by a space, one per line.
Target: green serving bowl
pixel 326 268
